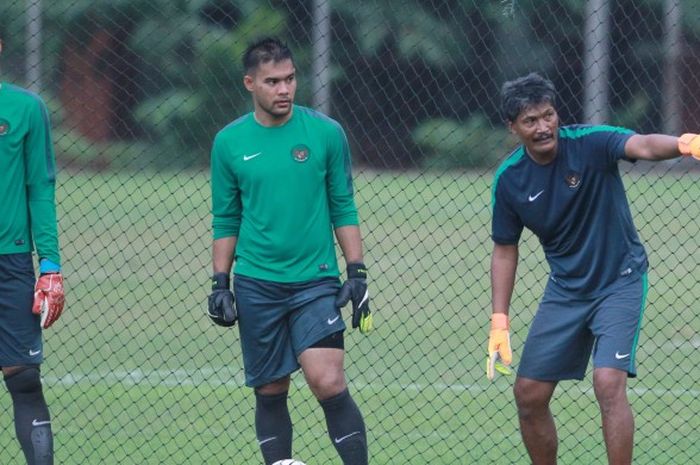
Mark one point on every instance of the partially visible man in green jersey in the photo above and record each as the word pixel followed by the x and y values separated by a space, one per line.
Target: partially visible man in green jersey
pixel 281 185
pixel 27 222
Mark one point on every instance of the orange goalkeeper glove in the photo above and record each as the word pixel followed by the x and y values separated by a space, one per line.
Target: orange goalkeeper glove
pixel 48 298
pixel 689 145
pixel 499 346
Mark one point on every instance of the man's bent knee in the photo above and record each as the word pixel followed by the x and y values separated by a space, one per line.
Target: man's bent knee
pixel 610 386
pixel 327 384
pixel 274 388
pixel 531 395
pixel 22 379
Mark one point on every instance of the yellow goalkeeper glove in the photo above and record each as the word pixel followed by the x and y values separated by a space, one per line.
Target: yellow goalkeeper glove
pixel 689 145
pixel 499 346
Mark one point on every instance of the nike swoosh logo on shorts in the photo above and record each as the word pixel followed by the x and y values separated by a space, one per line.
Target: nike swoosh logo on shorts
pixel 620 357
pixel 532 198
pixel 333 320
pixel 250 157
pixel 33 353
pixel 36 422
pixel 341 439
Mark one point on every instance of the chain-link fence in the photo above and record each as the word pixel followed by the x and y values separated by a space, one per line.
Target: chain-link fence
pixel 136 373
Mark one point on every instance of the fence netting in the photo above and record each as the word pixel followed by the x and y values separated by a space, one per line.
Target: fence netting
pixel 135 373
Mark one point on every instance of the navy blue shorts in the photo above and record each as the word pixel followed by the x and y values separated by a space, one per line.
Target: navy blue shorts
pixel 278 321
pixel 565 332
pixel 20 329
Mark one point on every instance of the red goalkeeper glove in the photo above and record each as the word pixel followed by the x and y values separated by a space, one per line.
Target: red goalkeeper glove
pixel 499 346
pixel 689 145
pixel 48 298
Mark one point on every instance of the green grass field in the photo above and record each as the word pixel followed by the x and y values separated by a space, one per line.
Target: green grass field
pixel 136 374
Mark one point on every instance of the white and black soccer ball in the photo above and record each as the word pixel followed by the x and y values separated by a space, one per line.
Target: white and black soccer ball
pixel 288 462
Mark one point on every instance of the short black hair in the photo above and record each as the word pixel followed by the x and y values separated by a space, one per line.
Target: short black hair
pixel 523 92
pixel 263 51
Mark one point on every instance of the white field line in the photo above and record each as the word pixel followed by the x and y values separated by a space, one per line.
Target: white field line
pixel 677 343
pixel 220 377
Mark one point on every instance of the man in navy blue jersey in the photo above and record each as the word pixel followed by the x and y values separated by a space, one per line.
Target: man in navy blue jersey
pixel 563 184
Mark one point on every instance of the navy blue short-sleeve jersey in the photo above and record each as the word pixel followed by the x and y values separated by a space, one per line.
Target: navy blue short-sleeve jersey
pixel 577 207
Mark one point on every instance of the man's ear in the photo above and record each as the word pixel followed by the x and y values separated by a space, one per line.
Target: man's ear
pixel 248 82
pixel 510 126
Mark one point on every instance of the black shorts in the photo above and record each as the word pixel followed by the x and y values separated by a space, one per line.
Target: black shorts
pixel 279 321
pixel 20 329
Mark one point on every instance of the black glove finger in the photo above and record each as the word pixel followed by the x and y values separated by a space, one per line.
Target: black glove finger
pixel 211 305
pixel 221 309
pixel 363 299
pixel 229 311
pixel 344 295
pixel 356 315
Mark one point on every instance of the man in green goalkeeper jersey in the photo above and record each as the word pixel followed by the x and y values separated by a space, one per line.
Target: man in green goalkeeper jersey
pixel 27 221
pixel 281 185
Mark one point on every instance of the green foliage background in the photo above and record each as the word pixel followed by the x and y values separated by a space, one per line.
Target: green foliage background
pixel 135 373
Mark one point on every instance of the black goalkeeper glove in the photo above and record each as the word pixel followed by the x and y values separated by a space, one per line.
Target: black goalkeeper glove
pixel 222 309
pixel 355 289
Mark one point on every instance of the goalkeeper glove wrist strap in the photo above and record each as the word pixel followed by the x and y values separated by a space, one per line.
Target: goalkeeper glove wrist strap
pixel 47 266
pixel 220 281
pixel 357 270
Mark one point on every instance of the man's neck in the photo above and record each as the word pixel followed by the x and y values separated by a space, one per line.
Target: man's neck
pixel 270 121
pixel 542 158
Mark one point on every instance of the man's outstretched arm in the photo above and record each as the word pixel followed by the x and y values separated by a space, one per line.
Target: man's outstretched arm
pixel 656 147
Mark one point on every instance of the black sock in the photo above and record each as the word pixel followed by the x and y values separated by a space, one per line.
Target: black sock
pixel 32 421
pixel 346 428
pixel 273 427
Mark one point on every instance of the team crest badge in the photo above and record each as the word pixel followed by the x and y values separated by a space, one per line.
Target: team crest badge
pixel 300 153
pixel 4 127
pixel 573 180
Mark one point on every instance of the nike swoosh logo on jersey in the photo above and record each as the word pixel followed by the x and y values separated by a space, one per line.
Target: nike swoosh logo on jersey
pixel 250 157
pixel 32 353
pixel 532 198
pixel 341 439
pixel 333 320
pixel 620 357
pixel 36 422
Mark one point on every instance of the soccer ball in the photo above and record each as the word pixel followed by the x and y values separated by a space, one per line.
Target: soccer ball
pixel 288 462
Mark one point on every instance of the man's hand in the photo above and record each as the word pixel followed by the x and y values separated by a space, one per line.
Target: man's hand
pixel 221 308
pixel 499 346
pixel 689 145
pixel 48 298
pixel 355 289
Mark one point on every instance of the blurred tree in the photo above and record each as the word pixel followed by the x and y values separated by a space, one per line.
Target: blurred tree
pixel 167 71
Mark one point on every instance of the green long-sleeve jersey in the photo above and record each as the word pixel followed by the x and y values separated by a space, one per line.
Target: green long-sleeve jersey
pixel 280 191
pixel 27 175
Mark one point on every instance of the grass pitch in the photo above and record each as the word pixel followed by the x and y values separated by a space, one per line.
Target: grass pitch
pixel 136 374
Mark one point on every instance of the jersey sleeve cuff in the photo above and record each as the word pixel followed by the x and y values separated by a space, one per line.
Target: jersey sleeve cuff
pixel 47 266
pixel 505 241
